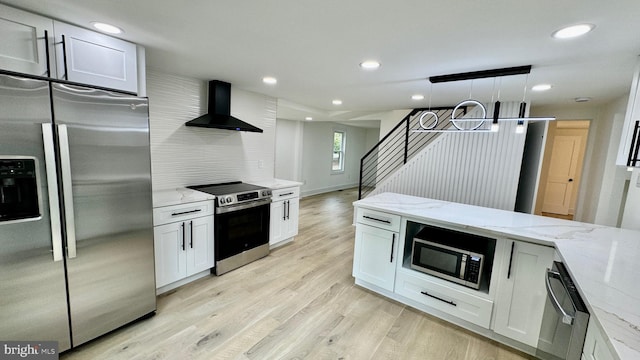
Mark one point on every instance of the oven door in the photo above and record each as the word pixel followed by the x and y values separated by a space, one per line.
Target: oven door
pixel 438 260
pixel 240 228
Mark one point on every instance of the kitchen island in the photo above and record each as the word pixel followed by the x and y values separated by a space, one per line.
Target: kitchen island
pixel 600 259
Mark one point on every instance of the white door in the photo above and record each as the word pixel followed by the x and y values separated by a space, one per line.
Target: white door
pixel 170 257
pixel 23 44
pixel 561 179
pixel 375 254
pixel 522 294
pixel 200 254
pixel 92 58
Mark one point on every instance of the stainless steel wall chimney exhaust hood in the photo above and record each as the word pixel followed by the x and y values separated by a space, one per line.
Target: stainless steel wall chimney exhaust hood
pixel 219 116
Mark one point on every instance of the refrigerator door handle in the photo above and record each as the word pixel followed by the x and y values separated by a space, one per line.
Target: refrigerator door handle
pixel 67 193
pixel 52 187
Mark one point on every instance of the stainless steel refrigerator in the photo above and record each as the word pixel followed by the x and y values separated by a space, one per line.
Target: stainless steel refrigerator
pixel 76 235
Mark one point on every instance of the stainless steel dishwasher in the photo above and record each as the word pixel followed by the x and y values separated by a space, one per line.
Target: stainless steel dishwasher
pixel 564 324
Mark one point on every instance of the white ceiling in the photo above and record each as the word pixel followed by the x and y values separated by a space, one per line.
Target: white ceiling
pixel 313 48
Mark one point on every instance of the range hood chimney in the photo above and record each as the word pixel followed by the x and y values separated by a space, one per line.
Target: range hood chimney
pixel 219 116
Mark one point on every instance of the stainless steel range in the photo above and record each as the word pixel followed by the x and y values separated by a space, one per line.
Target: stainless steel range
pixel 241 223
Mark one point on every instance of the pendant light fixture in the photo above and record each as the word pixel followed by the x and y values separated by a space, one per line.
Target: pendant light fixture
pixel 457 123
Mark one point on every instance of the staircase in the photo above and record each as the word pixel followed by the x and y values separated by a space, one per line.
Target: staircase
pixel 398 146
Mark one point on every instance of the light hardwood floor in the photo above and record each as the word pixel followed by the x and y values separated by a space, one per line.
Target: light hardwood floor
pixel 299 302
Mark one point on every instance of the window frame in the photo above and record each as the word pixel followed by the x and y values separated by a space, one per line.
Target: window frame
pixel 341 152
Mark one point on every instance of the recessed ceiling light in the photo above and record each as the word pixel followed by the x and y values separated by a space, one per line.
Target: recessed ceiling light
pixel 269 80
pixel 541 87
pixel 108 28
pixel 370 64
pixel 572 31
pixel 308 118
pixel 417 97
pixel 337 102
pixel 582 99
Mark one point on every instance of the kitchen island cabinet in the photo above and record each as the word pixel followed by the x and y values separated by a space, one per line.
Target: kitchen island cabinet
pixel 601 260
pixel 521 295
pixel 376 248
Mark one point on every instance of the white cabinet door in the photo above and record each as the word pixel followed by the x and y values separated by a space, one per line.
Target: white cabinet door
pixel 292 212
pixel 23 43
pixel 521 295
pixel 284 220
pixel 92 58
pixel 595 345
pixel 169 241
pixel 276 222
pixel 200 254
pixel 375 254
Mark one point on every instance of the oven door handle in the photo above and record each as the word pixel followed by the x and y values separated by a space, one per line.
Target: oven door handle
pixel 566 318
pixel 256 203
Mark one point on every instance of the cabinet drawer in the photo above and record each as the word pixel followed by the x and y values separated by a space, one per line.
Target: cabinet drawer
pixel 169 214
pixel 284 194
pixel 378 219
pixel 463 305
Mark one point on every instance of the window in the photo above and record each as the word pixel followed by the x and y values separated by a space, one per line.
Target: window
pixel 337 162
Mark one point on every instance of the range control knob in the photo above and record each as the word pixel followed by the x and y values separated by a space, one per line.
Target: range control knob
pixel 266 192
pixel 221 200
pixel 229 199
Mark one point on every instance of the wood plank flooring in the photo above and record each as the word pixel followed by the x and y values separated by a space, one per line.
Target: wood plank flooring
pixel 300 302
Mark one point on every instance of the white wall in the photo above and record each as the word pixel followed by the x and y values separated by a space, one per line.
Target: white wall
pixel 601 125
pixel 288 149
pixel 317 148
pixel 182 156
pixel 470 168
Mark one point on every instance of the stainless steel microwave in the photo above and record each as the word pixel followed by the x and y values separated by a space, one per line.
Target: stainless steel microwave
pixel 454 264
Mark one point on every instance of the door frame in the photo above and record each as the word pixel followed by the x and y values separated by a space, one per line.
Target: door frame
pixel 551 132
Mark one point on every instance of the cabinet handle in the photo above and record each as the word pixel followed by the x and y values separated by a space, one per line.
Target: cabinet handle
pixel 191 238
pixel 393 243
pixel 186 212
pixel 287 194
pixel 183 235
pixel 438 298
pixel 513 244
pixel 284 210
pixel 64 58
pixel 374 219
pixel 288 209
pixel 46 52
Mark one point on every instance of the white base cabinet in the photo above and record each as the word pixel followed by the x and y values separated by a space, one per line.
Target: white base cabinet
pixel 521 295
pixel 183 238
pixel 285 211
pixel 595 345
pixel 376 248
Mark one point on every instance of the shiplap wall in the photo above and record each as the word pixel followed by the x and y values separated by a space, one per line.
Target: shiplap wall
pixel 182 156
pixel 478 169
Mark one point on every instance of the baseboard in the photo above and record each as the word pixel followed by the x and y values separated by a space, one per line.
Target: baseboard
pixel 304 193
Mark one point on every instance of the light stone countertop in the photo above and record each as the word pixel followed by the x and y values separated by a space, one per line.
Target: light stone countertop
pixel 602 260
pixel 275 184
pixel 178 196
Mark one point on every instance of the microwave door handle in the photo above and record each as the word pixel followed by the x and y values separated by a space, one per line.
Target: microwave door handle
pixel 67 192
pixel 52 188
pixel 566 318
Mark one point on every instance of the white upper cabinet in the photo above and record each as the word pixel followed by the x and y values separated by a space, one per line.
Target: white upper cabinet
pixel 74 53
pixel 92 58
pixel 24 39
pixel 632 115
